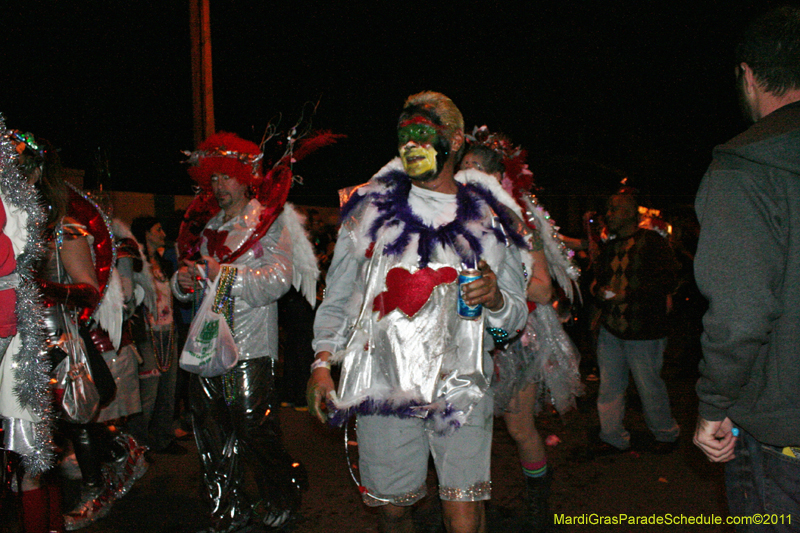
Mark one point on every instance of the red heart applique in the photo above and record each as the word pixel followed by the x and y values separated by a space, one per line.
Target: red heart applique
pixel 409 292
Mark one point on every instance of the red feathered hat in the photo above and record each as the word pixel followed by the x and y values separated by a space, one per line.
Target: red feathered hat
pixel 226 153
pixel 229 154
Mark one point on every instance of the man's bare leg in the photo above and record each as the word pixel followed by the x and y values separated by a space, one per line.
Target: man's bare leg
pixel 464 517
pixel 395 519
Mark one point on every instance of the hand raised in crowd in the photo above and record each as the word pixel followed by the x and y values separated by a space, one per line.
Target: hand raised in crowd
pixel 484 291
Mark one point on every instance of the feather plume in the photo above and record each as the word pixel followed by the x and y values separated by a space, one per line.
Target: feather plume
pixel 559 259
pixel 305 271
pixel 304 147
pixel 109 311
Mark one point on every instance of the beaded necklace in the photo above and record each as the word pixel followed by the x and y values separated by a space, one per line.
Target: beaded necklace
pixel 223 301
pixel 223 304
pixel 163 357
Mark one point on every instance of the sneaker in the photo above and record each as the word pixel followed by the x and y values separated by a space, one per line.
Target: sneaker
pixel 604 449
pixel 128 468
pixel 95 503
pixel 274 517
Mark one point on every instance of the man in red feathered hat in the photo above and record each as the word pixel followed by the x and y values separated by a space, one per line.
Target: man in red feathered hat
pixel 240 231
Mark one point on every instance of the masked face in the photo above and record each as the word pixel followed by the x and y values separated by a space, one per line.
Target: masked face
pixel 421 148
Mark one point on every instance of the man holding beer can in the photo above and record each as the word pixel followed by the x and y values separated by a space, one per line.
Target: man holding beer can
pixel 427 263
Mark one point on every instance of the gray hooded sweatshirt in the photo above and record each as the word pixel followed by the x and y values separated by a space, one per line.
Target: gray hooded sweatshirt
pixel 748 267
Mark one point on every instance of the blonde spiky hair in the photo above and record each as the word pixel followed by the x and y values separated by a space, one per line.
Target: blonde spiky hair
pixel 442 106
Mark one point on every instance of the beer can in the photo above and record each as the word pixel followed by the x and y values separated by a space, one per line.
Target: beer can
pixel 465 311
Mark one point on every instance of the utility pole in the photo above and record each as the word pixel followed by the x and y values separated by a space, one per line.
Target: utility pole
pixel 202 82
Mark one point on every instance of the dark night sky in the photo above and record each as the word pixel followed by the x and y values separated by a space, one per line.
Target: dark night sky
pixel 583 85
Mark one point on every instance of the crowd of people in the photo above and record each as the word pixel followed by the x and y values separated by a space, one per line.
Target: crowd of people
pixel 443 307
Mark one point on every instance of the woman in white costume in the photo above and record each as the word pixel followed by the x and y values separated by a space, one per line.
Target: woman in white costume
pixel 542 362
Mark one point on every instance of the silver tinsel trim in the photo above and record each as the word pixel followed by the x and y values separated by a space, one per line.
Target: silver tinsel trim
pixel 404 499
pixel 559 258
pixel 194 158
pixel 31 363
pixel 475 493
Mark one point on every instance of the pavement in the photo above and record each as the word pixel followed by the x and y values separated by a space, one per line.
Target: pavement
pixel 168 499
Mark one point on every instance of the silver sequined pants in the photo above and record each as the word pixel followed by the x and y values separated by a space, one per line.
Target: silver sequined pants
pixel 237 428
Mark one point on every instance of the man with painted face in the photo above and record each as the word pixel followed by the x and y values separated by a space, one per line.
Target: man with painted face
pixel 413 371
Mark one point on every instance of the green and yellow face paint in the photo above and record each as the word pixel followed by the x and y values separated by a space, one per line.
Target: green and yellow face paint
pixel 416 137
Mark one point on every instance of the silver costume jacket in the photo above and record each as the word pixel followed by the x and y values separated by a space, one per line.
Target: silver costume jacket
pixel 389 314
pixel 263 275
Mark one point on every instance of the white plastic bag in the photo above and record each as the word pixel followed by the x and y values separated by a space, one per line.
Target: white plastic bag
pixel 210 350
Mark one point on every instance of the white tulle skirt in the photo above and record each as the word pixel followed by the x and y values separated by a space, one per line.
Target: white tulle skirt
pixel 542 354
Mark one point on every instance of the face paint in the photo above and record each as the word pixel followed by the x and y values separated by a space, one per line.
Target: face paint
pixel 418 160
pixel 416 137
pixel 416 129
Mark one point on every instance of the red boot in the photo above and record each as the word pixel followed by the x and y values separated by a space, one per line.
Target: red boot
pixel 35 510
pixel 56 514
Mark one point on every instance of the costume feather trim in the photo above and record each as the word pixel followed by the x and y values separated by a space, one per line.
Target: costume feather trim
pixel 559 258
pixel 489 182
pixel 446 418
pixel 109 311
pixel 382 224
pixel 305 271
pixel 388 191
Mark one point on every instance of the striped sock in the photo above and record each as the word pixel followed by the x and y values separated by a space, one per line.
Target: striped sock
pixel 537 469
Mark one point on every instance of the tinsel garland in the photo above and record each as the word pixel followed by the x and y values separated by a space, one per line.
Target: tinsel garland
pixel 31 363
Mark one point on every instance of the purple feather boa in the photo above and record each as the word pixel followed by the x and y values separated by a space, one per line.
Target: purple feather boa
pixel 394 209
pixel 409 409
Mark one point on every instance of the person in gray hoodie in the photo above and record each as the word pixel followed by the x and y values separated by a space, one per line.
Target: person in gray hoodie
pixel 748 267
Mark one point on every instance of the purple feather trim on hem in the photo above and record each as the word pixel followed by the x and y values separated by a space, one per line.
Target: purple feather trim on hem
pixel 393 209
pixel 410 409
